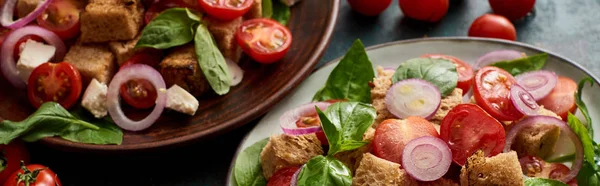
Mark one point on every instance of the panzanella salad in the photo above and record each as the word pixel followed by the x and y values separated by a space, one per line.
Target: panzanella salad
pixel 409 125
pixel 150 55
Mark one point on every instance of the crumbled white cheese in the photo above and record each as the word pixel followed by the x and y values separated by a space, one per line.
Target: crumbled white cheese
pixel 33 54
pixel 182 101
pixel 94 99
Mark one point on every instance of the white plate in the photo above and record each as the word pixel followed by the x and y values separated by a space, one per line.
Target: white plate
pixel 392 54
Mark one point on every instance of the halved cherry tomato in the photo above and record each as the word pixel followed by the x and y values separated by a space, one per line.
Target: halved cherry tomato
pixel 561 100
pixel 532 166
pixel 265 40
pixel 465 71
pixel 43 177
pixel 311 121
pixel 536 167
pixel 62 18
pixel 369 7
pixel 425 10
pixel 492 93
pixel 57 82
pixel 493 26
pixel 283 176
pixel 512 9
pixel 226 9
pixel 17 52
pixel 392 135
pixel 140 93
pixel 10 156
pixel 163 5
pixel 468 128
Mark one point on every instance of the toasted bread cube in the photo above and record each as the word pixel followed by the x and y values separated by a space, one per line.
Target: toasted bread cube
pixel 381 84
pixel 123 50
pixel 502 169
pixel 111 20
pixel 374 171
pixel 537 140
pixel 94 61
pixel 24 7
pixel 353 157
pixel 255 10
pixel 180 67
pixel 447 104
pixel 285 151
pixel 439 182
pixel 224 34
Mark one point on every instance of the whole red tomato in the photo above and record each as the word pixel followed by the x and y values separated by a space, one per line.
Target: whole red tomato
pixel 493 26
pixel 512 9
pixel 33 175
pixel 424 10
pixel 369 7
pixel 10 156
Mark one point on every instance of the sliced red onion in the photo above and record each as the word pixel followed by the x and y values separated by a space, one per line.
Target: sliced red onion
pixel 136 71
pixel 294 181
pixel 426 158
pixel 496 56
pixel 6 18
pixel 523 101
pixel 564 128
pixel 288 120
pixel 413 97
pixel 539 83
pixel 467 96
pixel 9 64
pixel 236 73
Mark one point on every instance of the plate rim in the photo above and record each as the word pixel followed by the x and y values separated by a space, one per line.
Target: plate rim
pixel 416 40
pixel 264 107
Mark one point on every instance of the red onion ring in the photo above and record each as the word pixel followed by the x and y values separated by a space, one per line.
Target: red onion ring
pixel 236 73
pixel 413 97
pixel 548 120
pixel 294 181
pixel 6 18
pixel 9 65
pixel 523 101
pixel 539 83
pixel 496 56
pixel 426 158
pixel 288 120
pixel 136 71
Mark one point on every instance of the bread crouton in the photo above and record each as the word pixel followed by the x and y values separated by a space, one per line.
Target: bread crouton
pixel 24 7
pixel 351 158
pixel 374 171
pixel 502 169
pixel 545 112
pixel 439 182
pixel 123 50
pixel 94 61
pixel 180 67
pixel 111 20
pixel 381 84
pixel 255 10
pixel 537 140
pixel 285 151
pixel 447 104
pixel 224 34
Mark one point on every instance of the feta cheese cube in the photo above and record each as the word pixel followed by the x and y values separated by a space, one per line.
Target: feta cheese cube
pixel 33 54
pixel 182 101
pixel 94 99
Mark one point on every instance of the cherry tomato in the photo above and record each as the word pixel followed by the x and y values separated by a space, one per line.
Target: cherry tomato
pixel 283 176
pixel 17 52
pixel 25 176
pixel 493 26
pixel 392 135
pixel 369 7
pixel 465 71
pixel 140 93
pixel 492 93
pixel 57 82
pixel 512 9
pixel 226 9
pixel 535 167
pixel 10 156
pixel 157 8
pixel 62 18
pixel 532 166
pixel 561 100
pixel 425 10
pixel 311 121
pixel 468 128
pixel 265 40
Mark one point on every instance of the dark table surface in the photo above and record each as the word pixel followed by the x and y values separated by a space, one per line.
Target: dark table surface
pixel 568 28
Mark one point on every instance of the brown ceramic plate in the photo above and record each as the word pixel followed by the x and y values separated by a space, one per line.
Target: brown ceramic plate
pixel 311 24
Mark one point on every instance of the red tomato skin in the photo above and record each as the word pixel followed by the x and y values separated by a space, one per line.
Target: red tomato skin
pixel 498 94
pixel 465 71
pixel 14 153
pixel 46 177
pixel 512 9
pixel 561 100
pixel 17 52
pixel 282 177
pixel 369 7
pixel 264 57
pixel 484 130
pixel 51 70
pixel 225 13
pixel 397 133
pixel 425 10
pixel 70 9
pixel 493 26
pixel 3 33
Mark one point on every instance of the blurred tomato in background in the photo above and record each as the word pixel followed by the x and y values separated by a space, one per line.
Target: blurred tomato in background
pixel 493 26
pixel 369 7
pixel 512 9
pixel 424 10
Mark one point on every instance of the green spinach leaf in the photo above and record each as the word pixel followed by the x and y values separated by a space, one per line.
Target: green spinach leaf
pixel 322 170
pixel 267 8
pixel 211 61
pixel 281 12
pixel 108 132
pixel 173 27
pixel 344 124
pixel 440 72
pixel 581 105
pixel 350 79
pixel 586 141
pixel 248 169
pixel 522 65
pixel 543 182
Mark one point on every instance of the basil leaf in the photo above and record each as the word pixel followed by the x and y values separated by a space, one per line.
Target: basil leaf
pixel 344 124
pixel 521 65
pixel 267 8
pixel 322 170
pixel 211 61
pixel 587 175
pixel 109 132
pixel 350 79
pixel 439 72
pixel 581 105
pixel 543 182
pixel 281 12
pixel 50 119
pixel 248 170
pixel 172 27
pixel 586 141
